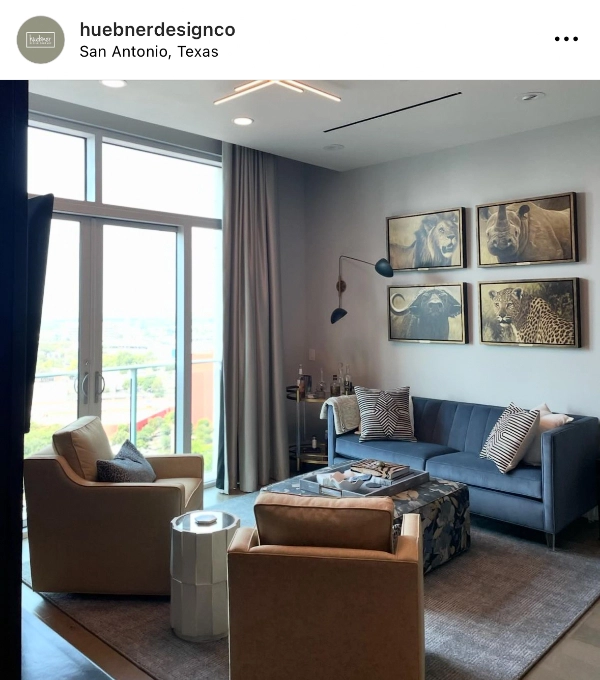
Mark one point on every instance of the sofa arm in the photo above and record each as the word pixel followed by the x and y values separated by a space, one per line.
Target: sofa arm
pixel 569 456
pixel 177 465
pixel 331 436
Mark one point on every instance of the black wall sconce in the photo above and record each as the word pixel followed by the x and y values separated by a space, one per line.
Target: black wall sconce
pixel 382 267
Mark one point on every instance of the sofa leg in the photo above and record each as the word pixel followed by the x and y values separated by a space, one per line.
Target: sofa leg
pixel 551 541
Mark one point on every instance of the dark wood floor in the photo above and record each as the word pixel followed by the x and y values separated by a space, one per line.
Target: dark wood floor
pixel 46 655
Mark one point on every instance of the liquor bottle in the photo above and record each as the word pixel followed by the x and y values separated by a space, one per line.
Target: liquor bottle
pixel 347 381
pixel 300 382
pixel 335 386
pixel 322 384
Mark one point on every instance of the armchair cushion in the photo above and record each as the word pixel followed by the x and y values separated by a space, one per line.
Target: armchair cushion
pixel 129 465
pixel 83 443
pixel 359 523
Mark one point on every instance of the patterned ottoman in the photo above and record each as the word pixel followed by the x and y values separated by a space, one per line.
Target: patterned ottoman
pixel 444 510
pixel 445 518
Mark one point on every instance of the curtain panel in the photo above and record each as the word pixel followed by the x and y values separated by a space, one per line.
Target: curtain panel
pixel 253 443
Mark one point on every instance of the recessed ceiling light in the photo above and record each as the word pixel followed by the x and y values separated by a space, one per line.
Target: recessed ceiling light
pixel 334 147
pixel 114 83
pixel 243 121
pixel 530 96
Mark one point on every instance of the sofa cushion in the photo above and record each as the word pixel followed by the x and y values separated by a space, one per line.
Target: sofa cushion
pixel 469 468
pixel 83 443
pixel 354 523
pixel 406 453
pixel 460 425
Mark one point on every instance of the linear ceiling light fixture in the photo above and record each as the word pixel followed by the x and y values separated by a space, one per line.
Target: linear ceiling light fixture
pixel 390 113
pixel 293 85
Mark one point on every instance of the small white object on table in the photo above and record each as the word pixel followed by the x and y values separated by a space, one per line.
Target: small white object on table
pixel 199 574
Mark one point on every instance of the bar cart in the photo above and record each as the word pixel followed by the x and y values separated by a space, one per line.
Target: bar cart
pixel 302 450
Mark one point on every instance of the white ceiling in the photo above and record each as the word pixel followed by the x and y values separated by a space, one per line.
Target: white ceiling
pixel 292 125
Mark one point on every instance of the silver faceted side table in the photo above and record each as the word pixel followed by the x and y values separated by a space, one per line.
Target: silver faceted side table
pixel 199 575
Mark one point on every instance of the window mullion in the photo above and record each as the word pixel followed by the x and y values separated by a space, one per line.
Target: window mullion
pixel 183 365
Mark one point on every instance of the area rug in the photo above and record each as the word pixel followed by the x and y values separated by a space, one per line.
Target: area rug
pixel 490 613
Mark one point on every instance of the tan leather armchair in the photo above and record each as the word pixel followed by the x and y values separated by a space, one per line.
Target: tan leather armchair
pixel 303 611
pixel 96 537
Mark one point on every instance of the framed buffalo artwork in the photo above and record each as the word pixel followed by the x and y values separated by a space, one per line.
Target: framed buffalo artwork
pixel 428 313
pixel 542 313
pixel 433 240
pixel 528 231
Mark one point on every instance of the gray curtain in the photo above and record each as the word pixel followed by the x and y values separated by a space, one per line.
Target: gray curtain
pixel 254 437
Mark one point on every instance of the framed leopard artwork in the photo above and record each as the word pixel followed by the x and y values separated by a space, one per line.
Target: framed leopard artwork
pixel 531 313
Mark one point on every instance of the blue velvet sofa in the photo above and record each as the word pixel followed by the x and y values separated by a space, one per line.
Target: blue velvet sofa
pixel 450 435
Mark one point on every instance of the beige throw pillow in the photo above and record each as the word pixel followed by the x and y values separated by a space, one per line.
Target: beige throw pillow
pixel 548 421
pixel 83 443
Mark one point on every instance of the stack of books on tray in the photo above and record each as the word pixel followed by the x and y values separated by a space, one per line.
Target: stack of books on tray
pixel 381 472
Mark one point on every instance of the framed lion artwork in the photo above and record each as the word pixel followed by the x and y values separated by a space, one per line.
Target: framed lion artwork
pixel 433 240
pixel 528 231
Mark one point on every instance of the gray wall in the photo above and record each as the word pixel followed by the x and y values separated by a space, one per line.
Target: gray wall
pixel 345 213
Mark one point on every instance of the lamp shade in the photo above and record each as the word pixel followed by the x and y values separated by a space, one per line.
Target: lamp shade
pixel 338 314
pixel 384 268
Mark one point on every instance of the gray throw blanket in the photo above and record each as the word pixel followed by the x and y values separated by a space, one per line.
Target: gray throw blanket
pixel 346 415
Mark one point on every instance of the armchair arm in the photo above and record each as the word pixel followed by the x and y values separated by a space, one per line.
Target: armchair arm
pixel 177 465
pixel 58 491
pixel 244 540
pixel 569 456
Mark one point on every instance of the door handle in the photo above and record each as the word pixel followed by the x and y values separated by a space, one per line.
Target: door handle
pixel 98 380
pixel 84 382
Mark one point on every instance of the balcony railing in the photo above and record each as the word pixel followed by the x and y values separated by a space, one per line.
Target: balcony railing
pixel 133 383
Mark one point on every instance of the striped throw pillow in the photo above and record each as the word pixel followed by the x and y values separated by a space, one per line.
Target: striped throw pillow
pixel 510 437
pixel 384 414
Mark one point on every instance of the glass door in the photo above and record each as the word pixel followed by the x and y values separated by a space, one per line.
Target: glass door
pixel 135 392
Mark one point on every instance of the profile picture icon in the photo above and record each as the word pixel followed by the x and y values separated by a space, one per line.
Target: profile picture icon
pixel 40 40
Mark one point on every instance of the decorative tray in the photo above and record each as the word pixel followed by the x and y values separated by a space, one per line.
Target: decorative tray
pixel 311 484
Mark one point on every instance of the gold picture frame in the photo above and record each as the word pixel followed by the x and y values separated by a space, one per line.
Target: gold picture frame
pixel 530 313
pixel 525 231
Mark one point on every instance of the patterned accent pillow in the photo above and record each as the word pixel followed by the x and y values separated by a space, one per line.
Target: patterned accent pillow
pixel 385 414
pixel 129 465
pixel 510 437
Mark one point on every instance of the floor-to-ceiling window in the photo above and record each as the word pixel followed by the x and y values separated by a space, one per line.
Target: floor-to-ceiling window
pixel 132 304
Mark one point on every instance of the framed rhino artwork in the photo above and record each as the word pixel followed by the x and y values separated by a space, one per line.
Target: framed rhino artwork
pixel 528 231
pixel 532 313
pixel 428 313
pixel 433 240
